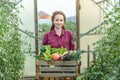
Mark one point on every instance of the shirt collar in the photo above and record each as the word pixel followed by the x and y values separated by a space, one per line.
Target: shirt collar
pixel 62 33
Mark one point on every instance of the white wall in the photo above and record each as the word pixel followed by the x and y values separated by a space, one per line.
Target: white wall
pixel 27 17
pixel 90 17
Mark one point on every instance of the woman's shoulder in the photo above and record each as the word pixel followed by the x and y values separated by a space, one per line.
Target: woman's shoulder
pixel 68 31
pixel 50 32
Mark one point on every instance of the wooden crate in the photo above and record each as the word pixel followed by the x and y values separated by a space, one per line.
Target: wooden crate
pixel 56 69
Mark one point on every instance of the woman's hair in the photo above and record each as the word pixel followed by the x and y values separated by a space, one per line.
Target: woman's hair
pixel 53 17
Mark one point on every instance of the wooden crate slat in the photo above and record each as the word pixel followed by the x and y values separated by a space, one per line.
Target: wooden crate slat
pixel 57 74
pixel 70 69
pixel 72 63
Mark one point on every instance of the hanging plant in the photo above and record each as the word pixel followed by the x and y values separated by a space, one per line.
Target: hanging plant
pixel 11 56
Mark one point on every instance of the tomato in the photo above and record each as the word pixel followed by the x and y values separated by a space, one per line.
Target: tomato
pixel 56 56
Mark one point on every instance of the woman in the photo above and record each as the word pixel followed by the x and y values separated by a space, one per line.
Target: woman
pixel 58 36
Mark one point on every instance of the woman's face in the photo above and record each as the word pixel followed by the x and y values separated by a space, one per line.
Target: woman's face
pixel 58 21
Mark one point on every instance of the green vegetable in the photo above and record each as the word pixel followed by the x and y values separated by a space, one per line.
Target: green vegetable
pixel 46 52
pixel 73 55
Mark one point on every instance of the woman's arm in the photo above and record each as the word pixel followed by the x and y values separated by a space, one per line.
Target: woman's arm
pixel 45 39
pixel 71 42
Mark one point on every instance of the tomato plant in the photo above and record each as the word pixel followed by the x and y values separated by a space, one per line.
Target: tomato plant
pixel 11 56
pixel 107 50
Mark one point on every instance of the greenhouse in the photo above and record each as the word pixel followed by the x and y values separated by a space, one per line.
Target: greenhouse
pixel 60 40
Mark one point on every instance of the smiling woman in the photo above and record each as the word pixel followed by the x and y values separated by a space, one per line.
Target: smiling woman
pixel 59 36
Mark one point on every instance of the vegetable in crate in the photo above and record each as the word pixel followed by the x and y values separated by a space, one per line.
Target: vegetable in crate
pixel 56 56
pixel 72 55
pixel 46 53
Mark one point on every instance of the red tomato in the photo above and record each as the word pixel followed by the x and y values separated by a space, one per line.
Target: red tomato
pixel 56 56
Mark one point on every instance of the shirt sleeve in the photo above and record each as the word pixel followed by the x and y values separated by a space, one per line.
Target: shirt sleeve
pixel 45 39
pixel 71 43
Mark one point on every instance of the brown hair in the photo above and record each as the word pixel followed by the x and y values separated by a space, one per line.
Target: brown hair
pixel 53 16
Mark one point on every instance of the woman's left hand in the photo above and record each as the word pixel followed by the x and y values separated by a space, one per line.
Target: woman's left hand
pixel 65 53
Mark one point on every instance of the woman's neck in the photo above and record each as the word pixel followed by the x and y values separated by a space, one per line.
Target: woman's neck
pixel 58 31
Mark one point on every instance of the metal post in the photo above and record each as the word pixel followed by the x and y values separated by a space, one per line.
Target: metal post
pixel 94 57
pixel 88 56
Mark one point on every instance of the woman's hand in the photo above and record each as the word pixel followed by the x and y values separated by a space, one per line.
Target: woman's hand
pixel 65 53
